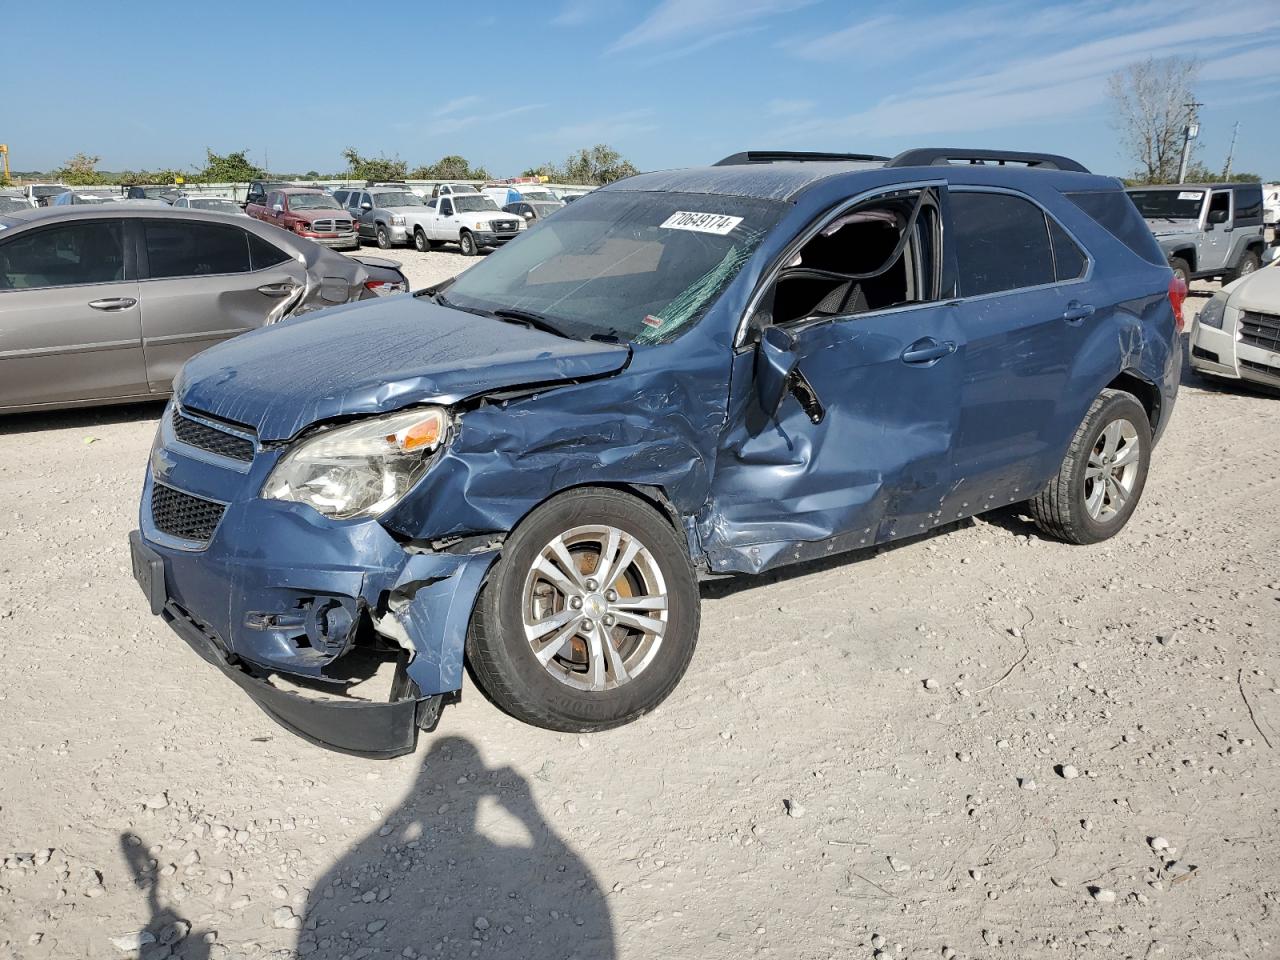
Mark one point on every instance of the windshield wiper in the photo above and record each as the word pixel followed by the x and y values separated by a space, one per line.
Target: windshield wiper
pixel 530 319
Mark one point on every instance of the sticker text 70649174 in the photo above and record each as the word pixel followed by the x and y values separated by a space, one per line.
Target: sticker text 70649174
pixel 717 223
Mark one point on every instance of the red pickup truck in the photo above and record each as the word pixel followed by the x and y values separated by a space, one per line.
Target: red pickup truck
pixel 313 214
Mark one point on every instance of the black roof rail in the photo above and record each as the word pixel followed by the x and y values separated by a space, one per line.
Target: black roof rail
pixel 941 156
pixel 790 156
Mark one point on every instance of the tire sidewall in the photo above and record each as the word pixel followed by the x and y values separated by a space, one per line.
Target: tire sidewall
pixel 1121 405
pixel 503 600
pixel 384 238
pixel 467 243
pixel 420 241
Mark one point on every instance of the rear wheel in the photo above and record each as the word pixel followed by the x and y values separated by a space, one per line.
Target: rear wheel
pixel 420 241
pixel 467 243
pixel 1249 262
pixel 1103 474
pixel 1181 269
pixel 590 617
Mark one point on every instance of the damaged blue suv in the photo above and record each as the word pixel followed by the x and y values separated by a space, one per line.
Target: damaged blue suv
pixel 685 374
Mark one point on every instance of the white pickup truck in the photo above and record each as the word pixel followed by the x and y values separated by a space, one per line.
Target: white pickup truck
pixel 470 220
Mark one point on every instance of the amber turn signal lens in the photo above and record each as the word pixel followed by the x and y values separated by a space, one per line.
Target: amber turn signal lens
pixel 422 435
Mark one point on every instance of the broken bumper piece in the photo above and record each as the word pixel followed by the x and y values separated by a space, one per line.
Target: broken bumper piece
pixel 237 613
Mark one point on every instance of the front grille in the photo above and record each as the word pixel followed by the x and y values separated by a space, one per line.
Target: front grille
pixel 505 225
pixel 1260 330
pixel 196 434
pixel 1261 368
pixel 331 226
pixel 182 515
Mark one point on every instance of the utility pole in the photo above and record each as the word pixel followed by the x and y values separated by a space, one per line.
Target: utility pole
pixel 1189 133
pixel 1231 152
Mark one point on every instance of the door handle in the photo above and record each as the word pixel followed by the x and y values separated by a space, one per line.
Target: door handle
pixel 277 289
pixel 113 303
pixel 1077 311
pixel 927 350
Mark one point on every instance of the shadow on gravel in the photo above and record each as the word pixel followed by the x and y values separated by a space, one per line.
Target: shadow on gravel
pixel 466 863
pixel 165 932
pixel 80 418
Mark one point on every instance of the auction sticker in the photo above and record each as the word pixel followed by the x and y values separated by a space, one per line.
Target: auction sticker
pixel 1190 195
pixel 717 223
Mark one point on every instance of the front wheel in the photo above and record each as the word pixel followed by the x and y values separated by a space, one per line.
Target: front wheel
pixel 1103 474
pixel 590 617
pixel 468 244
pixel 383 237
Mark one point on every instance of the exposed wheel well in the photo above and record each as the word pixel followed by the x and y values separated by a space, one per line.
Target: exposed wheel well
pixel 1188 254
pixel 1148 394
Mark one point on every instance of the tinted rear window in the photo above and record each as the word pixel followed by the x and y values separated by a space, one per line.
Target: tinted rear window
pixel 1114 211
pixel 1001 243
pixel 1248 207
pixel 264 254
pixel 181 248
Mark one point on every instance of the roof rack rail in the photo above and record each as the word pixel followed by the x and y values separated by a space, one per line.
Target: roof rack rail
pixel 941 156
pixel 790 156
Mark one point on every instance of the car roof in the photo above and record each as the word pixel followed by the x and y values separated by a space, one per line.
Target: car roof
pixel 292 190
pixel 114 211
pixel 1195 186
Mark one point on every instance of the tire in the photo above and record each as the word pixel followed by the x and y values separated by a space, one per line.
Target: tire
pixel 1249 262
pixel 577 685
pixel 1072 507
pixel 383 237
pixel 1181 269
pixel 467 244
pixel 420 241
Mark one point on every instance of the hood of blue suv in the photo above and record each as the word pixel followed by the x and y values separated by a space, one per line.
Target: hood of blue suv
pixel 377 356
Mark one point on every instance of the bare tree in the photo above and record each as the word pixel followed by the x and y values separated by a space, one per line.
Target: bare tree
pixel 1149 103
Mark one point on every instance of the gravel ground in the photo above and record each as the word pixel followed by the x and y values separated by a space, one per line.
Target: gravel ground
pixel 980 741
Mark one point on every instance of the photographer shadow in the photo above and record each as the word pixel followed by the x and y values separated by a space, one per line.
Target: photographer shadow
pixel 466 863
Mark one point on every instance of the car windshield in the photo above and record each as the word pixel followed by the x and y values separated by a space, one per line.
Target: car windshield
pixel 545 209
pixel 468 203
pixel 542 196
pixel 1169 204
pixel 312 201
pixel 401 198
pixel 209 204
pixel 47 191
pixel 638 266
pixel 90 198
pixel 13 204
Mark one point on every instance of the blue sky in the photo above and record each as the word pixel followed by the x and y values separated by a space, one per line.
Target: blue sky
pixel 667 82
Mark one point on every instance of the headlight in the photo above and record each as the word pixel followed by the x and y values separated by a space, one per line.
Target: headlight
pixel 1212 312
pixel 397 220
pixel 361 469
pixel 482 225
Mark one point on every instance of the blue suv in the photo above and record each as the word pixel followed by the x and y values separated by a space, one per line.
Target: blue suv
pixel 685 374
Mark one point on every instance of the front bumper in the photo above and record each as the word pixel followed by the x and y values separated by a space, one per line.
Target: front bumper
pixel 1221 354
pixel 338 241
pixel 278 589
pixel 487 238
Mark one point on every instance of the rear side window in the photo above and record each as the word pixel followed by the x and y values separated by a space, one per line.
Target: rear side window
pixel 181 248
pixel 1068 259
pixel 1248 207
pixel 1114 211
pixel 263 254
pixel 79 253
pixel 1001 243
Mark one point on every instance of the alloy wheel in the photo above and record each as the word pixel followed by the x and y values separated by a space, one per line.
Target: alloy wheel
pixel 1112 470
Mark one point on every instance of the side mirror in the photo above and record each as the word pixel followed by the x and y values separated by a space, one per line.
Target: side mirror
pixel 366 206
pixel 528 215
pixel 1271 255
pixel 775 362
pixel 1217 216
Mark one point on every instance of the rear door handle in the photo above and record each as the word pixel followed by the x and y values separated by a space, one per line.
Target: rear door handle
pixel 277 289
pixel 927 350
pixel 114 303
pixel 1077 311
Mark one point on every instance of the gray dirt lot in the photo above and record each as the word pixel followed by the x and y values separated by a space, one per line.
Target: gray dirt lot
pixel 142 795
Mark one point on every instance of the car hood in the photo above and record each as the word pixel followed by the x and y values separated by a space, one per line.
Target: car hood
pixel 1259 292
pixel 327 214
pixel 376 356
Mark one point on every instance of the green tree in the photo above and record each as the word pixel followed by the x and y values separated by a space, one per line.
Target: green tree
pixel 229 168
pixel 452 167
pixel 594 166
pixel 80 171
pixel 374 168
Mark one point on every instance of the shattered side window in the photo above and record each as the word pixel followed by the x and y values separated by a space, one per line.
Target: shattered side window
pixel 639 266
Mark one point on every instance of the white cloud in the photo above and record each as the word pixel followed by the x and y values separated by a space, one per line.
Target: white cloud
pixel 451 123
pixel 574 13
pixel 781 107
pixel 606 129
pixel 456 104
pixel 687 25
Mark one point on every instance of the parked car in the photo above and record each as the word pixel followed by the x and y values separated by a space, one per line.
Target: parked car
pixel 188 201
pixel 42 194
pixel 688 373
pixel 309 213
pixel 382 214
pixel 531 211
pixel 1271 204
pixel 1237 333
pixel 103 304
pixel 516 192
pixel 469 220
pixel 70 198
pixel 154 192
pixel 450 189
pixel 14 201
pixel 258 190
pixel 1207 230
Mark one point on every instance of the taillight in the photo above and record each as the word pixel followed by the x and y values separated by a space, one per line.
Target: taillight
pixel 382 288
pixel 1177 297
